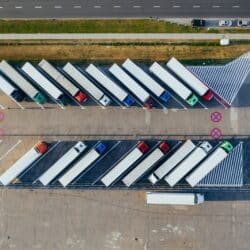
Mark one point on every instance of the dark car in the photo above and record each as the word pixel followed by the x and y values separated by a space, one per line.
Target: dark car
pixel 198 23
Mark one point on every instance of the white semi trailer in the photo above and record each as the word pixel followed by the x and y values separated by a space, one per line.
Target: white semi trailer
pixel 10 90
pixel 86 84
pixel 171 162
pixel 62 163
pixel 111 86
pixel 82 164
pixel 209 164
pixel 44 83
pixel 144 166
pixel 179 88
pixel 174 198
pixel 21 82
pixel 146 80
pixel 188 163
pixel 132 85
pixel 55 74
pixel 23 163
pixel 125 164
pixel 190 79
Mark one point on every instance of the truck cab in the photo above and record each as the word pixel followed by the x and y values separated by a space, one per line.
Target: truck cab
pixel 81 97
pixel 165 96
pixel 192 100
pixel 39 98
pixel 227 146
pixel 41 147
pixel 164 147
pixel 143 147
pixel 149 104
pixel 208 96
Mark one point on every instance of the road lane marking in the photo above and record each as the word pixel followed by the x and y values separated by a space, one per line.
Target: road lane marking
pixel 176 6
pixel 156 6
pixel 216 6
pixel 1 7
pixel 12 148
pixel 18 7
pixel 196 6
pixel 57 7
pixel 38 7
pixel 77 7
pixel 116 6
pixel 136 6
pixel 97 6
pixel 235 6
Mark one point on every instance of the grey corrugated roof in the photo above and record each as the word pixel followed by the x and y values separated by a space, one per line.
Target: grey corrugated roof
pixel 225 80
pixel 229 172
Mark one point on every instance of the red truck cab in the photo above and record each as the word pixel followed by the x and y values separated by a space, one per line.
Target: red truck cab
pixel 41 147
pixel 164 147
pixel 208 96
pixel 149 104
pixel 81 97
pixel 143 147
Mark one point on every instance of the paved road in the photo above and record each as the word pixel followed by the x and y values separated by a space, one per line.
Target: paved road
pixel 119 36
pixel 53 220
pixel 122 8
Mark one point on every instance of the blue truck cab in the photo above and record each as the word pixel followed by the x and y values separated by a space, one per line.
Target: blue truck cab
pixel 129 101
pixel 165 96
pixel 101 148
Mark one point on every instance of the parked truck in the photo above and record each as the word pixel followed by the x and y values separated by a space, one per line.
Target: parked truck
pixel 21 82
pixel 23 163
pixel 57 76
pixel 82 164
pixel 179 88
pixel 171 162
pixel 209 164
pixel 111 86
pixel 188 163
pixel 10 90
pixel 132 85
pixel 190 79
pixel 147 164
pixel 62 163
pixel 146 80
pixel 86 84
pixel 125 164
pixel 44 83
pixel 174 198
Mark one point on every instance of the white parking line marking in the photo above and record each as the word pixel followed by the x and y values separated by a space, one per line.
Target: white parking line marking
pixel 203 105
pixel 38 7
pixel 77 7
pixel 17 103
pixel 14 146
pixel 1 7
pixel 57 7
pixel 2 107
pixel 18 7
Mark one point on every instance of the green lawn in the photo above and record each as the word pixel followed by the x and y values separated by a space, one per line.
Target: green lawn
pixel 93 26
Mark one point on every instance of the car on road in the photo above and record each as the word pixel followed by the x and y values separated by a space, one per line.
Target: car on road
pixel 242 23
pixel 223 23
pixel 198 23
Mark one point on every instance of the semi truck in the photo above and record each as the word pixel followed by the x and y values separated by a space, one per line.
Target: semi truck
pixel 21 82
pixel 44 83
pixel 23 163
pixel 147 164
pixel 188 163
pixel 132 85
pixel 86 84
pixel 146 80
pixel 178 87
pixel 125 163
pixel 111 86
pixel 171 162
pixel 190 79
pixel 58 77
pixel 174 198
pixel 10 90
pixel 82 164
pixel 209 164
pixel 62 163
